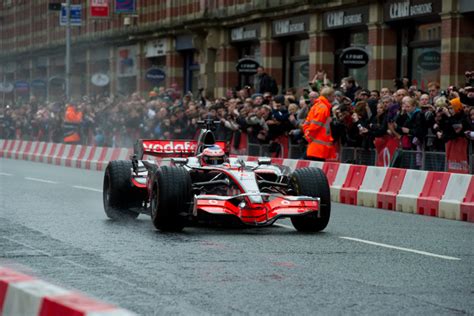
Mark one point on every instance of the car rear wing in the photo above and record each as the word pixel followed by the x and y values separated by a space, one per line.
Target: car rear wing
pixel 170 148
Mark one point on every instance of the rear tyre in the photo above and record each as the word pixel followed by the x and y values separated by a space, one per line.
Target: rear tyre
pixel 118 193
pixel 312 182
pixel 171 198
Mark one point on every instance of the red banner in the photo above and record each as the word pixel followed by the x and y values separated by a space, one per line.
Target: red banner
pixel 385 147
pixel 456 155
pixel 99 8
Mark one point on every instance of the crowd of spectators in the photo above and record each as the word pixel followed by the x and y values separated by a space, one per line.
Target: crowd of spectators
pixel 419 119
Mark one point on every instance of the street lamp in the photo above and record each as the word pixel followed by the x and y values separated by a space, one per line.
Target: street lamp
pixel 68 50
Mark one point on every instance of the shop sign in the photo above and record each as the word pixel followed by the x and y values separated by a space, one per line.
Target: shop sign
pixel 126 61
pixel 245 33
pixel 6 87
pixel 247 66
pixel 345 18
pixel 354 57
pixel 99 8
pixel 38 84
pixel 396 10
pixel 100 79
pixel 22 86
pixel 429 60
pixel 155 75
pixel 125 6
pixel 155 48
pixel 291 26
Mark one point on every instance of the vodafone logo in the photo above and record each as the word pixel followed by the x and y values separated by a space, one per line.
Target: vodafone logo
pixel 169 147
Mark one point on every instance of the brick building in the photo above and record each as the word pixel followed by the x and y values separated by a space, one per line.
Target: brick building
pixel 197 43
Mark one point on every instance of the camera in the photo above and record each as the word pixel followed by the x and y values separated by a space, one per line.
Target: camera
pixel 443 93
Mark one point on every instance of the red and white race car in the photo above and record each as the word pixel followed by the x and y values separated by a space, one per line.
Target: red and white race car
pixel 196 182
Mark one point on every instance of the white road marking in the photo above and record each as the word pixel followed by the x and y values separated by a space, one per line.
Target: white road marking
pixel 5 174
pixel 401 248
pixel 86 188
pixel 41 180
pixel 284 226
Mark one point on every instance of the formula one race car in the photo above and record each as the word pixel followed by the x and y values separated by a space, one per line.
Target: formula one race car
pixel 196 182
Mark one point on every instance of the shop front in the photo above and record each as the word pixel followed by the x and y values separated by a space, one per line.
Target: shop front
pixel 348 30
pixel 418 25
pixel 292 33
pixel 246 41
pixel 189 53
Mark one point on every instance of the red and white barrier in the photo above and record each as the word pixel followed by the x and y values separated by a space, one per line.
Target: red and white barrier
pixel 371 185
pixel 433 191
pixel 352 183
pixel 410 191
pixel 439 194
pixel 21 294
pixel 456 191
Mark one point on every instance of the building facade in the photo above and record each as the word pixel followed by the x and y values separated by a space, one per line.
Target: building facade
pixel 216 45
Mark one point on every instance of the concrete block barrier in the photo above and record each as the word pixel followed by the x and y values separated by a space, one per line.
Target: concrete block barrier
pixel 410 191
pixel 338 182
pixel 433 190
pixel 456 190
pixel 21 294
pixel 371 185
pixel 350 188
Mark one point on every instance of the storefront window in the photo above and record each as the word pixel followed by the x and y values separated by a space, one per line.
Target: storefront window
pixel 426 65
pixel 359 39
pixel 428 32
pixel 297 69
pixel 420 53
pixel 249 51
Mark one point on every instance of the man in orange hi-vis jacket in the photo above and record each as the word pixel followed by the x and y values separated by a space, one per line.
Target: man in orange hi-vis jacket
pixel 317 130
pixel 72 121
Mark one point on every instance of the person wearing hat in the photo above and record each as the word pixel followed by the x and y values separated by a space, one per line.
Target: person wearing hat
pixel 453 122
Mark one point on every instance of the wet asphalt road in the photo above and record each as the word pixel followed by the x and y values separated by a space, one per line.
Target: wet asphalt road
pixel 52 225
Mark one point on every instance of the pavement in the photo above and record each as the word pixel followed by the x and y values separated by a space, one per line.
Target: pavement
pixel 367 261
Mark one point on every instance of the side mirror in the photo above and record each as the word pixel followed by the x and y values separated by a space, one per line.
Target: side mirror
pixel 264 161
pixel 180 160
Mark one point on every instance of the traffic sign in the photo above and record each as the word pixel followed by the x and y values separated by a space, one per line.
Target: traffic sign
pixel 75 17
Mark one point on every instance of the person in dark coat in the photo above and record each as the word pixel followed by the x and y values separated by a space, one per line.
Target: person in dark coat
pixel 263 82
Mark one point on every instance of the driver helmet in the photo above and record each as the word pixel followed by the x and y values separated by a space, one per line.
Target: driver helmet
pixel 213 155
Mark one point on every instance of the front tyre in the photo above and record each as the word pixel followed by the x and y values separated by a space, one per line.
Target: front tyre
pixel 171 198
pixel 118 193
pixel 312 182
